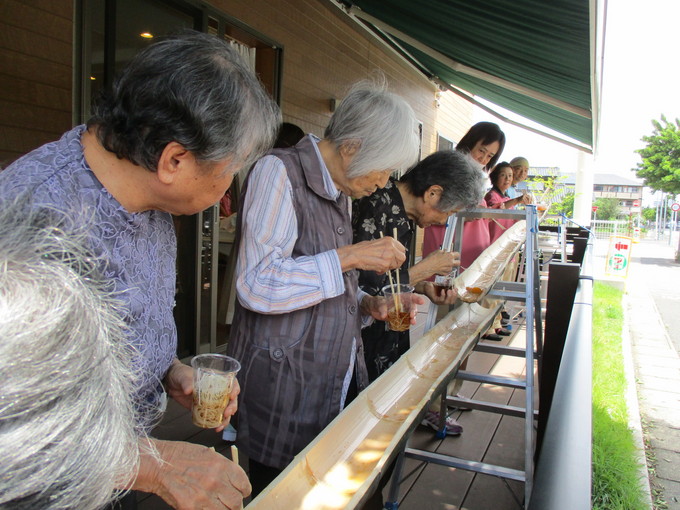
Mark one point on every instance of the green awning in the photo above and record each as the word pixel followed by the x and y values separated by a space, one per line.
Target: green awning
pixel 528 56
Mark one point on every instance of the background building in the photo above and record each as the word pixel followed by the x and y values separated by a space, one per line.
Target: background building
pixel 627 191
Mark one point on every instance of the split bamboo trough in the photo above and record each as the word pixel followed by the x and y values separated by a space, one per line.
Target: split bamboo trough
pixel 341 466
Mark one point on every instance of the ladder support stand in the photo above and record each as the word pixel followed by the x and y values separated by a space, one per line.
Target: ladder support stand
pixel 526 291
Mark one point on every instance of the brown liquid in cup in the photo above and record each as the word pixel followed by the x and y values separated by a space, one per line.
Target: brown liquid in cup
pixel 399 321
pixel 208 413
pixel 441 289
pixel 210 401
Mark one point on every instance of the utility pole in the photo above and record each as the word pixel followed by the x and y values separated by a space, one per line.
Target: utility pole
pixel 658 216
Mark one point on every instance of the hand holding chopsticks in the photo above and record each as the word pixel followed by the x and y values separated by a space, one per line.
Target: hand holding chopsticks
pixel 395 294
pixel 379 255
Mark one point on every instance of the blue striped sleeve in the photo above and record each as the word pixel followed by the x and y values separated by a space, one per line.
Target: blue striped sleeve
pixel 366 320
pixel 269 279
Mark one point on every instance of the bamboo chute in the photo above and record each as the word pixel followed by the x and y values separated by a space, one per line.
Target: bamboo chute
pixel 338 468
pixel 489 266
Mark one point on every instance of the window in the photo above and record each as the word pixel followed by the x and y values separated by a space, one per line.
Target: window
pixel 263 54
pixel 112 32
pixel 444 144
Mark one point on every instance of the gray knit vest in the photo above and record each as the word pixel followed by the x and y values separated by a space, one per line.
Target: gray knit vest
pixel 294 364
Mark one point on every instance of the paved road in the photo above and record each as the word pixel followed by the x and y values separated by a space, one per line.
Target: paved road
pixel 662 273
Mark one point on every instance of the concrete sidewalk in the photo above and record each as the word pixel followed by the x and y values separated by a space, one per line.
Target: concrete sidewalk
pixel 653 283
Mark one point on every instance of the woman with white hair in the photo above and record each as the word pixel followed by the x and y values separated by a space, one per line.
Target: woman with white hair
pixel 520 171
pixel 67 421
pixel 297 324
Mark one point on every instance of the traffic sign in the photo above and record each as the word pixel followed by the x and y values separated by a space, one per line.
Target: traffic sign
pixel 675 207
pixel 594 208
pixel 636 203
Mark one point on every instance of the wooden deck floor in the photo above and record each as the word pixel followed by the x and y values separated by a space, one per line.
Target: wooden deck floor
pixel 487 437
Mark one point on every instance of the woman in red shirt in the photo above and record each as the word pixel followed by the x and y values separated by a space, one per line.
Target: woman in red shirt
pixel 484 142
pixel 497 198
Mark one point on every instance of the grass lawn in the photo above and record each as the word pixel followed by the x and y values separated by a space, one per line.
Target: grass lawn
pixel 615 467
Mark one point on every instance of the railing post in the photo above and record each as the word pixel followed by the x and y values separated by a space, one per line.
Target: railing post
pixel 562 284
pixel 564 471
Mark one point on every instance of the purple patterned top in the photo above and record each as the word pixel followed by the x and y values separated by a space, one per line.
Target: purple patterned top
pixel 139 249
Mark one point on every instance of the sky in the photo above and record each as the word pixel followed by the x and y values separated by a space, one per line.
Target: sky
pixel 640 82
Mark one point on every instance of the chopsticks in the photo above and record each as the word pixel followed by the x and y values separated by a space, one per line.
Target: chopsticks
pixel 396 271
pixel 394 234
pixel 496 222
pixel 389 275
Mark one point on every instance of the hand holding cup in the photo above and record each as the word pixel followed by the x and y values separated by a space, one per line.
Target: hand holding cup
pixel 401 306
pixel 214 379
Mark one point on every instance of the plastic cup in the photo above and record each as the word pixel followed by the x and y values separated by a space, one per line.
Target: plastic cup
pixel 442 284
pixel 214 376
pixel 399 305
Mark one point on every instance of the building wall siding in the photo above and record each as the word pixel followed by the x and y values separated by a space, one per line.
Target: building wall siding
pixel 323 54
pixel 36 68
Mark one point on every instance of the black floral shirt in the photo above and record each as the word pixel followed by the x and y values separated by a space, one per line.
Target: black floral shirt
pixel 383 211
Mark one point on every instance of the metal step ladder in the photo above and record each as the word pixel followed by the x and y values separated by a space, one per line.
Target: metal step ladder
pixel 526 292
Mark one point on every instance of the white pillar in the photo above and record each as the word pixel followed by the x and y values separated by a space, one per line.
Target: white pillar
pixel 583 200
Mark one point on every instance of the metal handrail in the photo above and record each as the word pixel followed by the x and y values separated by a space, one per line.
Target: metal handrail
pixel 563 472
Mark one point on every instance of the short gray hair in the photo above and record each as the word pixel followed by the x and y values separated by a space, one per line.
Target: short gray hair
pixel 384 125
pixel 519 161
pixel 67 423
pixel 191 88
pixel 461 178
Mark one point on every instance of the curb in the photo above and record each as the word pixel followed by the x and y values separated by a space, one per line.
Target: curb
pixel 634 417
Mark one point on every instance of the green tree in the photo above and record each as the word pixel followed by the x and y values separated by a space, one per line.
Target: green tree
pixel 660 166
pixel 607 208
pixel 566 206
pixel 649 214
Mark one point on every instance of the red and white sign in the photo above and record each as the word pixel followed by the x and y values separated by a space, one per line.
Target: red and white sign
pixel 618 256
pixel 636 203
pixel 675 207
pixel 594 208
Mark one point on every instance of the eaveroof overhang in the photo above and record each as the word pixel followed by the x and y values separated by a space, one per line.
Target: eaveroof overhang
pixel 539 60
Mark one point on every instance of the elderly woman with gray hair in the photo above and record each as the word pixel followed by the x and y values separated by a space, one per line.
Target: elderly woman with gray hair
pixel 297 324
pixel 181 119
pixel 440 185
pixel 67 422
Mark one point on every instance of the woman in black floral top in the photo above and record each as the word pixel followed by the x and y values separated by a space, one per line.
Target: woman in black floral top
pixel 428 194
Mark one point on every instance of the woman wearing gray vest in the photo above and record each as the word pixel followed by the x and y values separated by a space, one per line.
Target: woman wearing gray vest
pixel 297 324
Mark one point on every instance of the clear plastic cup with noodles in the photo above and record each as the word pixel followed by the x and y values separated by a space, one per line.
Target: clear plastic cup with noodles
pixel 399 305
pixel 214 376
